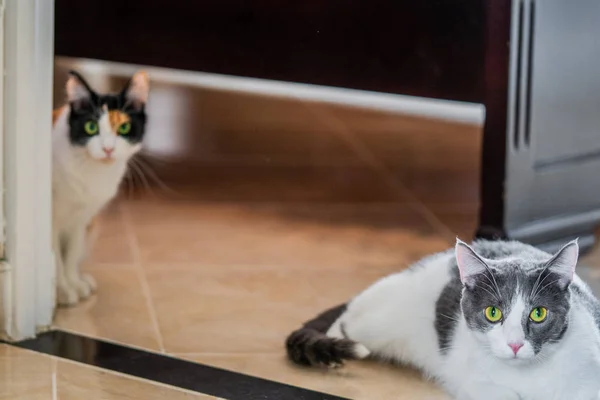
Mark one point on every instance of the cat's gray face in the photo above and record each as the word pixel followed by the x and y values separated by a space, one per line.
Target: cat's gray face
pixel 517 309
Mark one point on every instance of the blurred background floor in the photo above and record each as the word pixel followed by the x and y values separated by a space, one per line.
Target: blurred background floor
pixel 247 215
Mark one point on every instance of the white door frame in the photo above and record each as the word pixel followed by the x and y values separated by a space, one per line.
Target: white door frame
pixel 28 273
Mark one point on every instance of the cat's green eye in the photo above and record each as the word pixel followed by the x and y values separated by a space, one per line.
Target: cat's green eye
pixel 91 127
pixel 493 314
pixel 124 128
pixel 538 314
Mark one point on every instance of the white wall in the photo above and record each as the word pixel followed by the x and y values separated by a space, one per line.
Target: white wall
pixel 27 275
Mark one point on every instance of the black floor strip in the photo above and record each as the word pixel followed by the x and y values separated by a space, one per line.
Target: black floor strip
pixel 171 371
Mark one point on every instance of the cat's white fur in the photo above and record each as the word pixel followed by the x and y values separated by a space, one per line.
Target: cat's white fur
pixel 84 180
pixel 394 320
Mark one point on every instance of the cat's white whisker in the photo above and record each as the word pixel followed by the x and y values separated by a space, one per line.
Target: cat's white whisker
pixel 450 318
pixel 494 295
pixel 140 174
pixel 152 174
pixel 539 283
pixel 492 283
pixel 544 287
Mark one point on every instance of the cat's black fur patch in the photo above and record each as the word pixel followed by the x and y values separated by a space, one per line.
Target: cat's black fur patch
pixel 90 108
pixel 310 346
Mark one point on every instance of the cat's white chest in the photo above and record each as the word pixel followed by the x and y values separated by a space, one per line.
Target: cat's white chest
pixel 470 375
pixel 78 195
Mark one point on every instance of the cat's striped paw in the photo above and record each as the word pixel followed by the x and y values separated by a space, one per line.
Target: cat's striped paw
pixel 314 348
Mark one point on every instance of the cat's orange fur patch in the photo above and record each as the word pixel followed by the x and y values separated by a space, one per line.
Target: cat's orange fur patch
pixel 57 113
pixel 116 118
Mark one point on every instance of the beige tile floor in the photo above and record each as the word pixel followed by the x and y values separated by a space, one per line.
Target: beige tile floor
pixel 222 284
pixel 292 208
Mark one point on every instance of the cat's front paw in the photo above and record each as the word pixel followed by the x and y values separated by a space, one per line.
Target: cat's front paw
pixel 67 296
pixel 85 286
pixel 90 281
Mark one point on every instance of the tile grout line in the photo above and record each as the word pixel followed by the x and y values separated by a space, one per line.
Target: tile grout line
pixel 135 249
pixel 227 354
pixel 54 364
pixel 368 157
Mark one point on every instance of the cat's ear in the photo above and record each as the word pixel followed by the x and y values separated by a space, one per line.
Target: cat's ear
pixel 564 262
pixel 470 264
pixel 137 89
pixel 79 93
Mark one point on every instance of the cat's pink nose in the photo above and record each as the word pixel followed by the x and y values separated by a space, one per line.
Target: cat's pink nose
pixel 516 346
pixel 108 150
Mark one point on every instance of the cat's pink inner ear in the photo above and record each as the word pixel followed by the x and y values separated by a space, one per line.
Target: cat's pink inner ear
pixel 76 91
pixel 565 261
pixel 139 88
pixel 469 263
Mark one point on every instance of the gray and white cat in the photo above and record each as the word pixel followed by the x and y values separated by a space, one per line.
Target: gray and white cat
pixel 495 321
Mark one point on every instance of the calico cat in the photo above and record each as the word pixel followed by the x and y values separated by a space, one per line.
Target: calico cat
pixel 94 137
pixel 495 321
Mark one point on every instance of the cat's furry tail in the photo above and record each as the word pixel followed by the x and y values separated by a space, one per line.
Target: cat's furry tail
pixel 310 345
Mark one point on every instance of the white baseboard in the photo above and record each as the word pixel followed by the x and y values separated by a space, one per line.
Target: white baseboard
pixel 446 110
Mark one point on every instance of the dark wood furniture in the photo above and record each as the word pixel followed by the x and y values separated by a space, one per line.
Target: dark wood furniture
pixel 446 49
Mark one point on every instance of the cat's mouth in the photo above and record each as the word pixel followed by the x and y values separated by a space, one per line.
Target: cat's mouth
pixel 104 160
pixel 107 160
pixel 517 360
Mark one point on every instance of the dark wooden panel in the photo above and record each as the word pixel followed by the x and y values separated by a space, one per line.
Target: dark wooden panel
pixel 431 48
pixel 493 161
